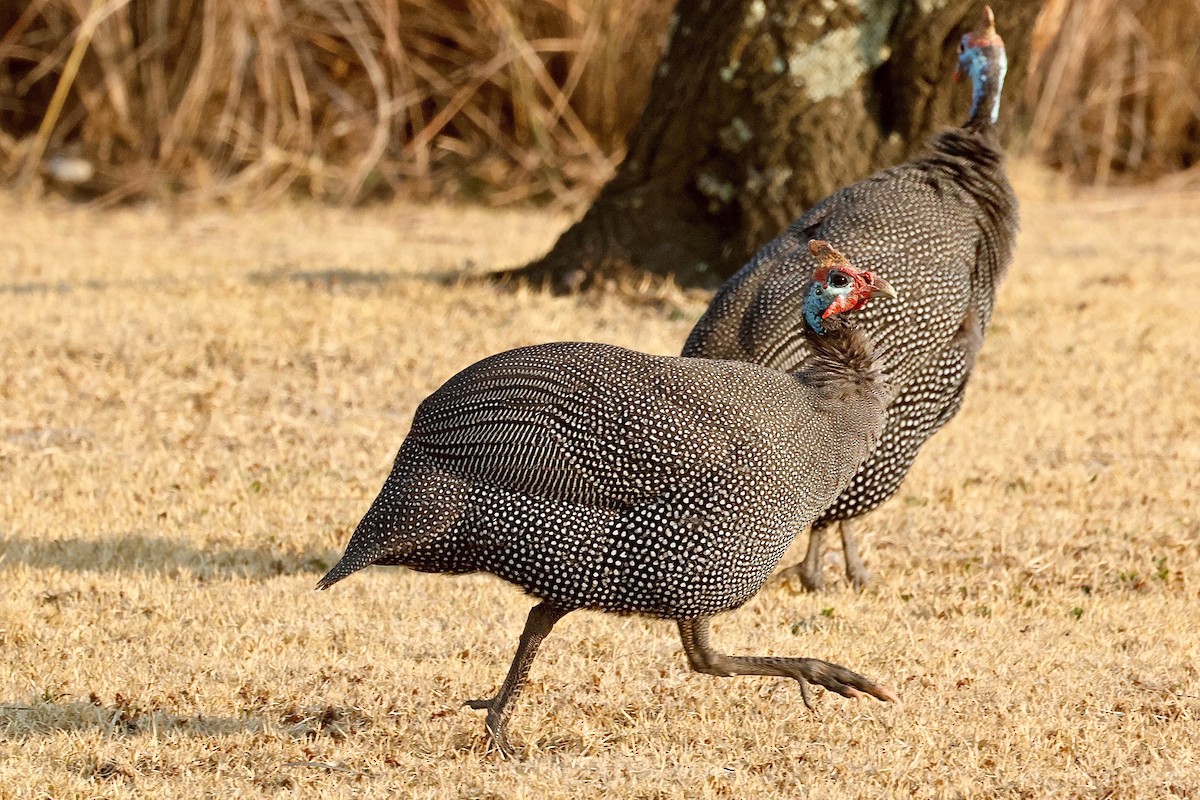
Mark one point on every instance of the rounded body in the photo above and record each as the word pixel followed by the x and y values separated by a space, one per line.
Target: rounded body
pixel 941 230
pixel 594 476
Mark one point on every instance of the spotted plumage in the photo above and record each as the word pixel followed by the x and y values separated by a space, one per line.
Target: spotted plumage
pixel 597 477
pixel 941 229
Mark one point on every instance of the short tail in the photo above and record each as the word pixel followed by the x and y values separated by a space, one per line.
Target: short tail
pixel 341 569
pixel 363 550
pixel 411 510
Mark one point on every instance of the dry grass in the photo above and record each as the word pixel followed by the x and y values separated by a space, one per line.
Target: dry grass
pixel 1115 89
pixel 503 101
pixel 194 410
pixel 335 99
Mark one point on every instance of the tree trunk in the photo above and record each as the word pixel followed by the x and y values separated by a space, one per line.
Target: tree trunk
pixel 760 109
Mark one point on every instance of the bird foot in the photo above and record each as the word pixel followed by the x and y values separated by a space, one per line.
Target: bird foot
pixel 497 731
pixel 498 741
pixel 859 578
pixel 812 580
pixel 840 680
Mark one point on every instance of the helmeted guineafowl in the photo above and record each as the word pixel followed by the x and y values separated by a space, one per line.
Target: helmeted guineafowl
pixel 597 477
pixel 941 228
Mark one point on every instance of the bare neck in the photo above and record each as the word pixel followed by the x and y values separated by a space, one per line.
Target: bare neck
pixel 985 94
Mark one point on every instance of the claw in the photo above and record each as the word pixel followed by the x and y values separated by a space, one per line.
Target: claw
pixel 499 742
pixel 806 695
pixel 848 683
pixel 885 694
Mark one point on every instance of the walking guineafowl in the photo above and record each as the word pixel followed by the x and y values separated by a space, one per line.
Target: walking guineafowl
pixel 941 228
pixel 597 477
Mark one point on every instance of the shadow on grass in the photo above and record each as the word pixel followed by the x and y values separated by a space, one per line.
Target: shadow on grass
pixel 315 279
pixel 40 717
pixel 337 277
pixel 322 278
pixel 140 553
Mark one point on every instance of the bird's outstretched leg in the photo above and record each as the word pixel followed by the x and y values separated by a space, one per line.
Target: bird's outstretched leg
pixel 809 570
pixel 541 620
pixel 857 572
pixel 701 656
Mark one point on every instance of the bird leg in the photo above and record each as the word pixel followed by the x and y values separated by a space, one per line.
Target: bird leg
pixel 856 571
pixel 809 570
pixel 701 656
pixel 541 620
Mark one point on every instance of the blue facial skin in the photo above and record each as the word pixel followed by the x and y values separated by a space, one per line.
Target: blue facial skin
pixel 974 61
pixel 821 296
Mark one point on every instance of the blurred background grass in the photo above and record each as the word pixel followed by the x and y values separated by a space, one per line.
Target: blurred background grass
pixel 499 101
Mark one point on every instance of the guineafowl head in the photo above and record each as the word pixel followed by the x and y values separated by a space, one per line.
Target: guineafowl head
pixel 838 287
pixel 981 56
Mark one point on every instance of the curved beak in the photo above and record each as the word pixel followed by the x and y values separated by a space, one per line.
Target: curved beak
pixel 880 287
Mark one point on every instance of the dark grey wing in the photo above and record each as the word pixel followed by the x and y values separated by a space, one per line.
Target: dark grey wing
pixel 756 315
pixel 578 422
pixel 900 223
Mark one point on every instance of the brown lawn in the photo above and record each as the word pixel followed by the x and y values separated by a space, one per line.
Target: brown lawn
pixel 196 409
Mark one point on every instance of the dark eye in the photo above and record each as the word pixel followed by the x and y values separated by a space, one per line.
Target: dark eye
pixel 962 46
pixel 838 280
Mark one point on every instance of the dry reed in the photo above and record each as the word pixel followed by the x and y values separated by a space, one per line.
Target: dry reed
pixel 504 101
pixel 1116 88
pixel 338 99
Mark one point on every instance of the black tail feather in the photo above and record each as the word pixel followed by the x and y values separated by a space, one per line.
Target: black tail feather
pixel 344 568
pixel 414 507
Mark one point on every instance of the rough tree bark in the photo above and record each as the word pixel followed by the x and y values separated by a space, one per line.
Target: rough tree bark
pixel 760 108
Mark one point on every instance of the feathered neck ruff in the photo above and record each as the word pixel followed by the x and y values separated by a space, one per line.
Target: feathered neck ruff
pixel 844 353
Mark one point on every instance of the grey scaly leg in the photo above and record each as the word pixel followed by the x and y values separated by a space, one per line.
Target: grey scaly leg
pixel 809 570
pixel 541 620
pixel 856 571
pixel 701 656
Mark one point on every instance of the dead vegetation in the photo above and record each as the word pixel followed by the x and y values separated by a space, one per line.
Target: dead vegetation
pixel 1116 90
pixel 334 99
pixel 504 102
pixel 196 408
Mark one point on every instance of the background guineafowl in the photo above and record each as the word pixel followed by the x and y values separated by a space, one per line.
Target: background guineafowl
pixel 596 477
pixel 941 228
